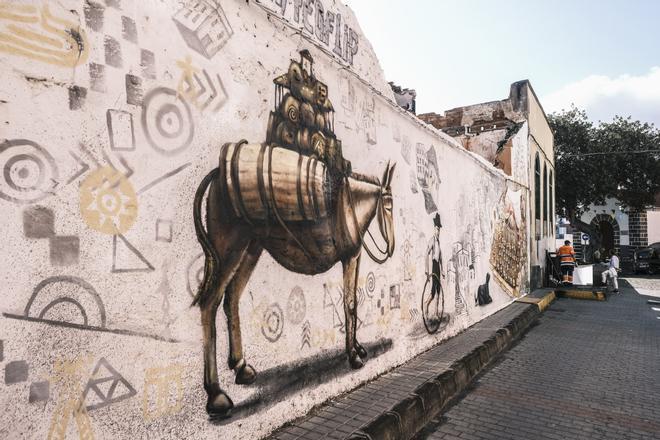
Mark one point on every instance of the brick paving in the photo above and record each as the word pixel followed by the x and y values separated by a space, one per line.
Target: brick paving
pixel 341 416
pixel 588 370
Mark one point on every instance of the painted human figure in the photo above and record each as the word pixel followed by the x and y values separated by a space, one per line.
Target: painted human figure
pixel 433 251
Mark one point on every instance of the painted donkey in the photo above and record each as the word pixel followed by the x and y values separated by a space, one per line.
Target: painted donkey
pixel 232 246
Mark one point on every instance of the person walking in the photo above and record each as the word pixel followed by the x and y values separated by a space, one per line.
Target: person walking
pixel 612 271
pixel 567 262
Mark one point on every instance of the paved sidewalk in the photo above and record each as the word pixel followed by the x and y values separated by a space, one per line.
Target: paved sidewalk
pixel 421 386
pixel 588 370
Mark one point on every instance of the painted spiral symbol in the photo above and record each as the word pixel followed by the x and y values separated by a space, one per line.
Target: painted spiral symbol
pixel 292 113
pixel 371 282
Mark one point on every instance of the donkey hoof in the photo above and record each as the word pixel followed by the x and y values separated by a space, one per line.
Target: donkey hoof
pixel 219 406
pixel 361 351
pixel 355 362
pixel 246 375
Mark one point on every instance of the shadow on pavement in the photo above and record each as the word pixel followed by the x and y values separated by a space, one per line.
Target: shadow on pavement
pixel 278 383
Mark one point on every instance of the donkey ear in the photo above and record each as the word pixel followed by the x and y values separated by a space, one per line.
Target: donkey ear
pixel 386 175
pixel 391 174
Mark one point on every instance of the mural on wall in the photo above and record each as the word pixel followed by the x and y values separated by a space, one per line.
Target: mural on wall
pixel 296 197
pixel 483 293
pixel 321 24
pixel 99 243
pixel 508 256
pixel 433 298
pixel 428 176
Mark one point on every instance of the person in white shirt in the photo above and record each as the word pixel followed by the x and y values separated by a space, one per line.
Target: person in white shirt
pixel 612 271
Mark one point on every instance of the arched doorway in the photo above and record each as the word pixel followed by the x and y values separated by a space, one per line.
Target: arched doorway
pixel 609 232
pixel 607 235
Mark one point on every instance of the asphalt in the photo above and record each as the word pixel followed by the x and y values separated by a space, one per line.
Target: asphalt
pixel 404 400
pixel 586 370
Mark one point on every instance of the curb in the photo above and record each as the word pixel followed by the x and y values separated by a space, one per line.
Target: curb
pixel 542 302
pixel 596 295
pixel 414 412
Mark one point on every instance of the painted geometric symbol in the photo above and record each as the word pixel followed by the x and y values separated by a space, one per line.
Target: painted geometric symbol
pixel 167 121
pixel 34 33
pixel 203 26
pixel 127 258
pixel 296 306
pixel 329 302
pixel 120 130
pixel 163 392
pixel 105 387
pixel 199 88
pixel 272 323
pixel 306 339
pixel 371 282
pixel 108 203
pixel 66 300
pixel 62 415
pixel 29 172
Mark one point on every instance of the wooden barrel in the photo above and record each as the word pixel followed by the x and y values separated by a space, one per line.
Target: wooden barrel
pixel 262 179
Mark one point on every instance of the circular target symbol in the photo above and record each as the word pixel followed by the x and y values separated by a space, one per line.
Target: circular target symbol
pixel 272 323
pixel 29 172
pixel 167 121
pixel 371 282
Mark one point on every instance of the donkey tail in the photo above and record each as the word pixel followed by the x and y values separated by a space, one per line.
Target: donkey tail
pixel 211 265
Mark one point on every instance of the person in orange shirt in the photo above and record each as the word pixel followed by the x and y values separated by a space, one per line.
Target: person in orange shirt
pixel 567 262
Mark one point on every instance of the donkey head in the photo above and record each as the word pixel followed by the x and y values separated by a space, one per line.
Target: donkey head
pixel 385 208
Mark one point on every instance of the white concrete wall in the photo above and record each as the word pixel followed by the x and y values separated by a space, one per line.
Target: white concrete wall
pixel 100 91
pixel 653 226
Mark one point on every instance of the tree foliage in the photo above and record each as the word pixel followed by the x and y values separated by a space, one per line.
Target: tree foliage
pixel 584 178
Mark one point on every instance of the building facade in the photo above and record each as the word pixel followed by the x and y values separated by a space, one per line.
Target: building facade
pixel 514 135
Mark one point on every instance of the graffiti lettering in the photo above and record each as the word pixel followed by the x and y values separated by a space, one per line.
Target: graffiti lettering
pixel 323 25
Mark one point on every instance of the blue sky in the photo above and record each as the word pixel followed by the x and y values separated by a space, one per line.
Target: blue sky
pixel 604 55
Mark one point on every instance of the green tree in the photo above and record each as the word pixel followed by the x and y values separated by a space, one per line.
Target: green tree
pixel 594 162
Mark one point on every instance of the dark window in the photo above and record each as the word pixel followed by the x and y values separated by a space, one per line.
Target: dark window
pixel 545 199
pixel 537 188
pixel 552 205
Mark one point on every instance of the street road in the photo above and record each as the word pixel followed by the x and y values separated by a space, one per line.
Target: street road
pixel 588 370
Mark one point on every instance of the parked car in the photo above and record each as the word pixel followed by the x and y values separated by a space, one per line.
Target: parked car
pixel 647 259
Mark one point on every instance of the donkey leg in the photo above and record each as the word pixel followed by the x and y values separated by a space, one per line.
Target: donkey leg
pixel 219 404
pixel 245 373
pixel 350 309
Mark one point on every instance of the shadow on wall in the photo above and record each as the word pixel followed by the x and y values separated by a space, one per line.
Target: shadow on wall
pixel 278 383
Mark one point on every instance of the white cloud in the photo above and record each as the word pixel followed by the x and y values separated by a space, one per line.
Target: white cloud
pixel 603 97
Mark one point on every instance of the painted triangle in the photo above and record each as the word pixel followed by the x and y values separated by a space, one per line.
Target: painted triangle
pixel 103 387
pixel 126 258
pixel 106 390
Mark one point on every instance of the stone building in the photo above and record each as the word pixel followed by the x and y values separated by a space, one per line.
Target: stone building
pixel 514 135
pixel 405 98
pixel 619 228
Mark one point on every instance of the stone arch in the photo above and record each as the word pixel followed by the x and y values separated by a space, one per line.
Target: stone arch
pixel 611 222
